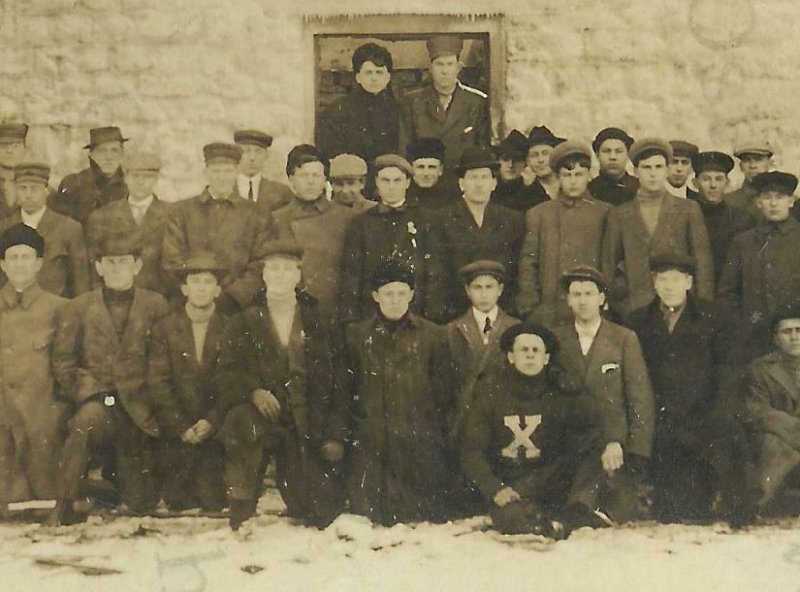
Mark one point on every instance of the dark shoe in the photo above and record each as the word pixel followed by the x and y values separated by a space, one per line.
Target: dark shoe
pixel 240 512
pixel 577 516
pixel 64 515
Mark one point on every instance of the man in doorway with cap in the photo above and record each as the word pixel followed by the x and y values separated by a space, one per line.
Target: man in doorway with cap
pixel 103 182
pixel 613 185
pixel 286 372
pixel 220 221
pixel 399 368
pixel 430 187
pixel 100 363
pixel 268 195
pixel 446 109
pixel 560 234
pixel 511 190
pixel 652 223
pixel 606 360
pixel 65 266
pixel 12 147
pixel 33 418
pixel 142 217
pixel 680 171
pixel 755 157
pixel 348 177
pixel 539 177
pixel 472 228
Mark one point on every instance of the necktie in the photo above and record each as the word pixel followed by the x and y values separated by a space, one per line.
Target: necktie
pixel 250 192
pixel 487 326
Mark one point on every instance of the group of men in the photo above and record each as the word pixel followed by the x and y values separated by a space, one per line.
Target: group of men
pixel 493 331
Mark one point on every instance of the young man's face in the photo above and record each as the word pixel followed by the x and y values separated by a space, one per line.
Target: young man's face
pixel 31 196
pixel 539 159
pixel 477 185
pixel 712 185
pixel 529 354
pixel 221 177
pixel 787 337
pixel 427 171
pixel 753 164
pixel 307 182
pixel 574 181
pixel 585 300
pixel 393 299
pixel 253 159
pixel 392 184
pixel 281 275
pixel 510 169
pixel 351 187
pixel 372 78
pixel 484 291
pixel 652 172
pixel 672 286
pixel 774 205
pixel 10 152
pixel 678 172
pixel 21 264
pixel 118 271
pixel 201 289
pixel 613 156
pixel 444 72
pixel 107 155
pixel 141 183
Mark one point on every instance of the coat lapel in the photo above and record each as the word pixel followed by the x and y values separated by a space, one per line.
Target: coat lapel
pixel 470 332
pixel 782 376
pixel 102 319
pixel 663 227
pixel 434 108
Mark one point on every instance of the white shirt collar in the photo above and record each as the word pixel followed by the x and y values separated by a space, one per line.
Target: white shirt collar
pixel 243 184
pixel 480 317
pixel 590 329
pixel 677 191
pixel 142 203
pixel 32 220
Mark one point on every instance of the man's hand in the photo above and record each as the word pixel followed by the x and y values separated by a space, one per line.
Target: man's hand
pixel 332 451
pixel 203 429
pixel 266 403
pixel 190 437
pixel 612 457
pixel 506 496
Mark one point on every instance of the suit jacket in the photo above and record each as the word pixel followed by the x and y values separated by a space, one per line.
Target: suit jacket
pixel 614 372
pixel 271 196
pixel 772 399
pixel 628 247
pixel 89 357
pixel 464 123
pixel 82 193
pixel 65 269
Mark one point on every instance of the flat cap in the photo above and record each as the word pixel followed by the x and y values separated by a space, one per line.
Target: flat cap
pixel 37 172
pixel 392 270
pixel 476 157
pixel 118 245
pixel 99 135
pixel 751 146
pixel 649 146
pixel 712 161
pixel 347 166
pixel 303 154
pixel 528 328
pixel 611 133
pixel 13 132
pixel 482 267
pixel 515 146
pixel 541 135
pixel 141 161
pixel 775 180
pixel 668 261
pixel 384 161
pixel 286 248
pixel 222 152
pixel 425 148
pixel 254 137
pixel 567 149
pixel 583 273
pixel 444 45
pixel 21 234
pixel 199 263
pixel 683 148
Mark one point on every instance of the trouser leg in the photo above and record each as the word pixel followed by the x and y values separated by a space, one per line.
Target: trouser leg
pixel 136 470
pixel 776 459
pixel 91 428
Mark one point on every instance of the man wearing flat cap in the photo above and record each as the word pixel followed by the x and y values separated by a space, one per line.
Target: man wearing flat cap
pixel 613 185
pixel 680 170
pixel 65 266
pixel 446 109
pixel 32 416
pixel 755 157
pixel 430 187
pixel 511 190
pixel 560 234
pixel 268 195
pixel 472 228
pixel 12 147
pixel 654 222
pixel 142 217
pixel 541 180
pixel 398 366
pixel 348 176
pixel 103 182
pixel 220 221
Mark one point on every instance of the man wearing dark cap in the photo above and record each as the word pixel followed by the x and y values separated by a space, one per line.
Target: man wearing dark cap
pixel 754 157
pixel 723 221
pixel 100 362
pixel 294 406
pixel 12 146
pixel 268 195
pixel 530 448
pixel 446 109
pixel 613 185
pixel 680 170
pixel 473 228
pixel 190 352
pixel 366 121
pixel 652 223
pixel 511 190
pixel 32 418
pixel 220 221
pixel 539 177
pixel 606 360
pixel 559 234
pixel 142 217
pixel 103 182
pixel 65 266
pixel 430 187
pixel 398 366
pixel 348 175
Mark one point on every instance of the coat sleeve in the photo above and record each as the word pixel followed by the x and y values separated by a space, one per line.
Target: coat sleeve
pixel 227 386
pixel 335 426
pixel 172 419
pixel 483 125
pixel 528 287
pixel 80 276
pixel 352 273
pixel 442 379
pixel 701 250
pixel 613 261
pixel 406 131
pixel 729 289
pixel 174 246
pixel 639 399
pixel 331 133
pixel 443 274
pixel 66 350
pixel 761 415
pixel 475 445
pixel 60 201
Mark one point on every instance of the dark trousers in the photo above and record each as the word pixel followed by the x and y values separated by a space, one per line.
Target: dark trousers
pixel 682 481
pixel 95 429
pixel 192 475
pixel 775 460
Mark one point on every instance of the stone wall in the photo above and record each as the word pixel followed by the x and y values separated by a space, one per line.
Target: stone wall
pixel 176 74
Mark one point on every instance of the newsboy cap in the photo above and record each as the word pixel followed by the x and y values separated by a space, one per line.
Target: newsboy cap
pixel 222 152
pixel 37 172
pixel 392 270
pixel 683 148
pixel 286 248
pixel 13 132
pixel 385 161
pixel 141 161
pixel 425 148
pixel 510 335
pixel 515 146
pixel 542 136
pixel 583 273
pixel 649 146
pixel 21 234
pixel 712 161
pixel 443 45
pixel 303 154
pixel 668 261
pixel 201 262
pixel 348 166
pixel 100 135
pixel 611 133
pixel 775 180
pixel 482 267
pixel 567 149
pixel 753 146
pixel 476 157
pixel 254 137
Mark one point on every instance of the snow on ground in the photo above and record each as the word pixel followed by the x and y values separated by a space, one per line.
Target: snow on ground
pixel 202 555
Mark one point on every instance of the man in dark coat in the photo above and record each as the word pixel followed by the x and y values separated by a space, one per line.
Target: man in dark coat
pixel 268 195
pixel 540 179
pixel 348 175
pixel 103 182
pixel 511 190
pixel 613 185
pixel 755 157
pixel 12 147
pixel 431 187
pixel 680 170
pixel 399 367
